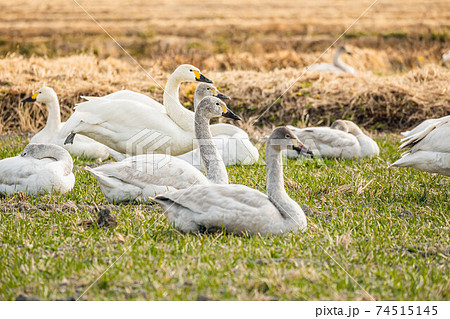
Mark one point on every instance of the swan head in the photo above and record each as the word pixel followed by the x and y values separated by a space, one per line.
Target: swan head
pixel 40 151
pixel 203 90
pixel 346 126
pixel 43 95
pixel 341 49
pixel 211 107
pixel 283 138
pixel 189 73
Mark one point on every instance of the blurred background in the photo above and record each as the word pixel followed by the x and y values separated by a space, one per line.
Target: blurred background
pixel 253 50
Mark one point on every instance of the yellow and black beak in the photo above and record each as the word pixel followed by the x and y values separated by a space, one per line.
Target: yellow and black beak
pixel 201 78
pixel 227 113
pixel 30 98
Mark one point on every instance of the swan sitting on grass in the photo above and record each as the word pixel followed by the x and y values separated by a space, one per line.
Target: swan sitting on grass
pixel 41 168
pixel 338 65
pixel 118 121
pixel 144 176
pixel 237 208
pixel 49 134
pixel 344 139
pixel 232 143
pixel 429 149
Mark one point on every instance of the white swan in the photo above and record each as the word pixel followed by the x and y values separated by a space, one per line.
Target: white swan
pixel 233 143
pixel 133 126
pixel 40 168
pixel 143 176
pixel 423 126
pixel 338 65
pixel 49 134
pixel 238 208
pixel 344 139
pixel 446 57
pixel 428 150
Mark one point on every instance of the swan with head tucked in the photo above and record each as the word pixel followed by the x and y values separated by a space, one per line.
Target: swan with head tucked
pixel 50 133
pixel 233 143
pixel 338 65
pixel 344 139
pixel 39 169
pixel 143 176
pixel 122 124
pixel 423 125
pixel 428 150
pixel 238 208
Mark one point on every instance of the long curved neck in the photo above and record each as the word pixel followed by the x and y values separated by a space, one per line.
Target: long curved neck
pixel 287 207
pixel 213 162
pixel 54 116
pixel 338 62
pixel 177 112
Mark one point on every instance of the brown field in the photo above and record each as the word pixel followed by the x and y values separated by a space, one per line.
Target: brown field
pixel 252 49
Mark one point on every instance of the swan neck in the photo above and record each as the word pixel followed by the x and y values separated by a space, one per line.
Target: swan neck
pixel 338 62
pixel 54 116
pixel 275 179
pixel 177 112
pixel 211 159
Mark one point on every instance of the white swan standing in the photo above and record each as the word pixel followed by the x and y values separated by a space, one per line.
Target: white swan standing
pixel 40 168
pixel 143 176
pixel 49 134
pixel 338 65
pixel 428 150
pixel 232 143
pixel 122 123
pixel 344 139
pixel 238 208
pixel 423 125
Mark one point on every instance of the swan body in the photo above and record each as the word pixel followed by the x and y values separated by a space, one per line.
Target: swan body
pixel 50 133
pixel 344 139
pixel 338 65
pixel 237 208
pixel 39 169
pixel 144 176
pixel 232 143
pixel 428 150
pixel 137 126
pixel 423 126
pixel 446 57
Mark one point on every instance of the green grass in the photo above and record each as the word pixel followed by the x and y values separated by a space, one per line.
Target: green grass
pixel 357 222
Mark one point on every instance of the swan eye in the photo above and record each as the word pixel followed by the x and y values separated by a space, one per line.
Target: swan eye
pixel 190 70
pixel 208 89
pixel 287 136
pixel 24 153
pixel 217 103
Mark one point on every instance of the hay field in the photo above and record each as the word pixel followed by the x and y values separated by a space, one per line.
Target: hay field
pixel 252 49
pixel 387 228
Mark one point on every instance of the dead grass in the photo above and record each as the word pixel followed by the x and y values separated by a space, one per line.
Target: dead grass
pixel 379 102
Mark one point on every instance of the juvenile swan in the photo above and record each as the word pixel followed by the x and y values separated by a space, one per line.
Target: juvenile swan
pixel 49 134
pixel 344 139
pixel 147 175
pixel 232 143
pixel 40 168
pixel 238 208
pixel 117 121
pixel 338 65
pixel 428 150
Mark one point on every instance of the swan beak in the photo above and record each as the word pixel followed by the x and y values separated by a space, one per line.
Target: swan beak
pixel 201 78
pixel 231 115
pixel 302 149
pixel 349 53
pixel 222 96
pixel 30 98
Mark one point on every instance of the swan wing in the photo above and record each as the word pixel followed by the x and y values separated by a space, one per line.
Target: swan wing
pixel 236 207
pixel 434 137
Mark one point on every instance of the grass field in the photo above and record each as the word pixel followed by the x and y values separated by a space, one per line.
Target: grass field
pixel 387 229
